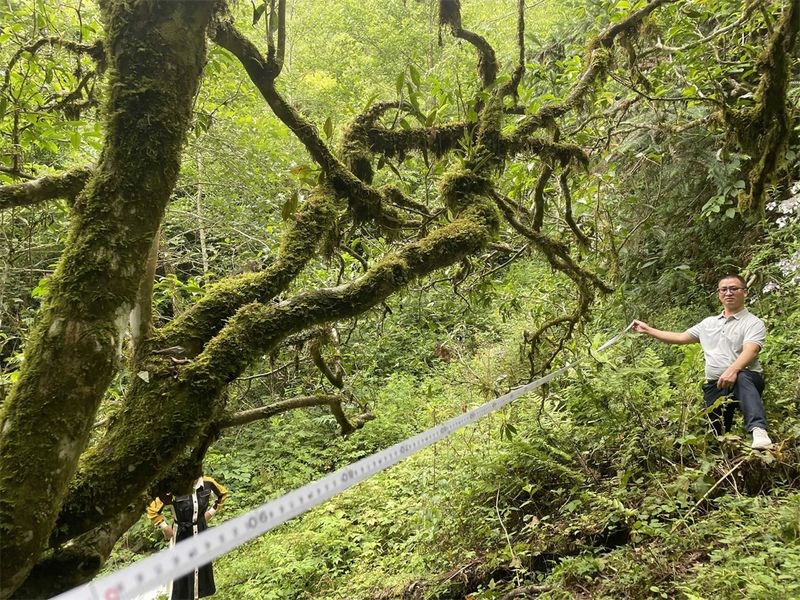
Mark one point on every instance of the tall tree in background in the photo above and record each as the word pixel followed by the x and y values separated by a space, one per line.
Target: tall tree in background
pixel 56 487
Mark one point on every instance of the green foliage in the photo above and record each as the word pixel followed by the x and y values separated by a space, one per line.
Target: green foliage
pixel 605 480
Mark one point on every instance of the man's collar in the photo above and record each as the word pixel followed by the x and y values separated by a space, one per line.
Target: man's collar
pixel 736 316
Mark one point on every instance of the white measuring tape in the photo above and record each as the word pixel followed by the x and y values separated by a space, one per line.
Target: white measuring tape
pixel 173 562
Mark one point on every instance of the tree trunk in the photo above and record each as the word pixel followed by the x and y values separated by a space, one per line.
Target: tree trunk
pixel 156 53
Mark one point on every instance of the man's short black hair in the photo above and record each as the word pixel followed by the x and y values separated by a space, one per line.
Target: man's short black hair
pixel 734 276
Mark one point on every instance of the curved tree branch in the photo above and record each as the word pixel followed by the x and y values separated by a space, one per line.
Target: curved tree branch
pixel 198 324
pixel 583 241
pixel 334 402
pixel 335 377
pixel 256 329
pixel 50 187
pixel 365 201
pixel 538 196
pixel 450 16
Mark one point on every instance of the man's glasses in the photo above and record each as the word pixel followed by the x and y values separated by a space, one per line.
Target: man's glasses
pixel 732 289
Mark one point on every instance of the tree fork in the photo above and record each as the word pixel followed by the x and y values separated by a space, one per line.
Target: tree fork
pixel 450 16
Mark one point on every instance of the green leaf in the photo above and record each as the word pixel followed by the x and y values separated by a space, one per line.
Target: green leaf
pixel 258 12
pixel 414 75
pixel 290 206
pixel 328 128
pixel 369 102
pixel 398 83
pixel 414 99
pixel 42 289
pixel 273 23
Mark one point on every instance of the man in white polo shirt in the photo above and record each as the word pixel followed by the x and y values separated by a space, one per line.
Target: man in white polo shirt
pixel 731 342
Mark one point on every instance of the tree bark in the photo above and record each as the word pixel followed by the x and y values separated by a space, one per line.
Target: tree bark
pixel 65 185
pixel 156 53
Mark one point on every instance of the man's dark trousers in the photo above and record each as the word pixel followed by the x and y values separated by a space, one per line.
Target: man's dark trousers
pixel 747 390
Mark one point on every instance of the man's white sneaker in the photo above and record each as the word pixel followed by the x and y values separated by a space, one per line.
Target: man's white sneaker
pixel 760 438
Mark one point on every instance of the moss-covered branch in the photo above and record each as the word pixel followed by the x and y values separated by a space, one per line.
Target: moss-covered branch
pixel 571 321
pixel 167 413
pixel 438 139
pixel 555 252
pixel 763 130
pixel 198 324
pixel 450 16
pixel 538 195
pixel 366 203
pixel 583 241
pixel 257 329
pixel 334 402
pixel 516 77
pixel 50 187
pixel 336 375
pixel 597 62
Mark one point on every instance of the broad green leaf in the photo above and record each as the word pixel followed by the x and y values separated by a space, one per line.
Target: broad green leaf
pixel 414 75
pixel 290 206
pixel 258 12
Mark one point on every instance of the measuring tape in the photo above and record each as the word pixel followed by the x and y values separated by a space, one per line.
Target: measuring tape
pixel 173 562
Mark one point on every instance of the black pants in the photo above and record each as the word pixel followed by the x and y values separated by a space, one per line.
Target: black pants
pixel 747 390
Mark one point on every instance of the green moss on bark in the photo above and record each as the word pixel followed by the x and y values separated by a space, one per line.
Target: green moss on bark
pixel 204 320
pixel 763 130
pixel 155 55
pixel 169 412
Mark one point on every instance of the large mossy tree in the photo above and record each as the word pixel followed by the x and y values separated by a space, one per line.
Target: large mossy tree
pixel 63 500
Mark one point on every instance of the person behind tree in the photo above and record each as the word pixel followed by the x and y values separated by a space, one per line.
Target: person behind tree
pixel 731 342
pixel 190 514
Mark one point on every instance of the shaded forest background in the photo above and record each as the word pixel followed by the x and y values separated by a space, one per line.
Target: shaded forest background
pixel 639 153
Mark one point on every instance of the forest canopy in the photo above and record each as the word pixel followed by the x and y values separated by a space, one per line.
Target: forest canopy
pixel 198 195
